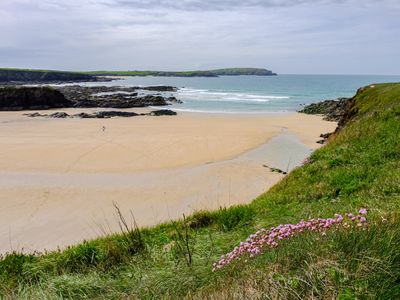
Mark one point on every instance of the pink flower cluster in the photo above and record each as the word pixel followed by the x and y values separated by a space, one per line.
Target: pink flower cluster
pixel 271 238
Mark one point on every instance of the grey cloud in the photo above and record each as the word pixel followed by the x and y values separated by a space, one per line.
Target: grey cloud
pixel 212 4
pixel 205 4
pixel 221 5
pixel 300 36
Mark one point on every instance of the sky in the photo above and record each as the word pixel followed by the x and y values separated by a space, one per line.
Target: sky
pixel 285 36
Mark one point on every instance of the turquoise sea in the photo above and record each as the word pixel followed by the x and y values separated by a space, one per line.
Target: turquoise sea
pixel 256 94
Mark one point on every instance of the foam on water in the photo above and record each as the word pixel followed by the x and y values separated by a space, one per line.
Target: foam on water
pixel 234 96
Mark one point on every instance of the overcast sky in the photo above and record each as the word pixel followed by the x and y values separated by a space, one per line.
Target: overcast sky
pixel 286 36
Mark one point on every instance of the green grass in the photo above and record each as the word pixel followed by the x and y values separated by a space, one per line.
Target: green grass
pixel 359 168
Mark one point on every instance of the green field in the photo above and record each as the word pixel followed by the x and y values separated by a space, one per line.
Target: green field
pixel 359 167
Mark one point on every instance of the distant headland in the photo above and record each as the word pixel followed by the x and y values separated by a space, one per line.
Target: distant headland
pixel 206 73
pixel 8 75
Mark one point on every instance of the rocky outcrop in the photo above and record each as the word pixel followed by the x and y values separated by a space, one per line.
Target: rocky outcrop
pixel 102 114
pixel 25 98
pixel 162 112
pixel 342 110
pixel 159 88
pixel 105 115
pixel 38 76
pixel 123 102
pixel 333 110
pixel 117 96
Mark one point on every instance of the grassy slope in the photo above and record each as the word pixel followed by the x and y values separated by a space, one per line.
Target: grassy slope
pixel 360 168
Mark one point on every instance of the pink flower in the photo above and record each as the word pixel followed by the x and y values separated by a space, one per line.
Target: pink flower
pixel 363 211
pixel 272 238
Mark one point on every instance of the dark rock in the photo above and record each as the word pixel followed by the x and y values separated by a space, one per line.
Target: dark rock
pixel 111 114
pixel 276 170
pixel 163 112
pixel 25 98
pixel 161 88
pixel 19 98
pixel 103 114
pixel 115 97
pixel 34 115
pixel 56 115
pixel 84 116
pixel 326 135
pixel 342 110
pixel 59 115
pixel 333 110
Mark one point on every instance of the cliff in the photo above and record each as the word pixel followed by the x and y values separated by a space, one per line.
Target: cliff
pixel 40 76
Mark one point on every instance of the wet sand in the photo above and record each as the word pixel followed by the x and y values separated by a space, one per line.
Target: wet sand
pixel 60 177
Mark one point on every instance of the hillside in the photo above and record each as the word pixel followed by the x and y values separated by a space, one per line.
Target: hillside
pixel 25 75
pixel 209 73
pixel 358 168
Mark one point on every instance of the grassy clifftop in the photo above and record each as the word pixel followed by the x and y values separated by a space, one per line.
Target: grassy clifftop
pixel 358 168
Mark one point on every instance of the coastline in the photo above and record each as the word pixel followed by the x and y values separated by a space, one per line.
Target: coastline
pixel 199 161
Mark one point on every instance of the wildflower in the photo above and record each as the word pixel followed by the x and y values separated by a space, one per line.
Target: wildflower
pixel 272 238
pixel 363 211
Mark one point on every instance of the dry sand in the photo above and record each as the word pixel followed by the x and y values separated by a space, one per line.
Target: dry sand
pixel 60 177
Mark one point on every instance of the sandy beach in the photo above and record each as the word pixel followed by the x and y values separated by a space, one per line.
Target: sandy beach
pixel 60 177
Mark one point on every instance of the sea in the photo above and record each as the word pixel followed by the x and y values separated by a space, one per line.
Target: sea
pixel 254 94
